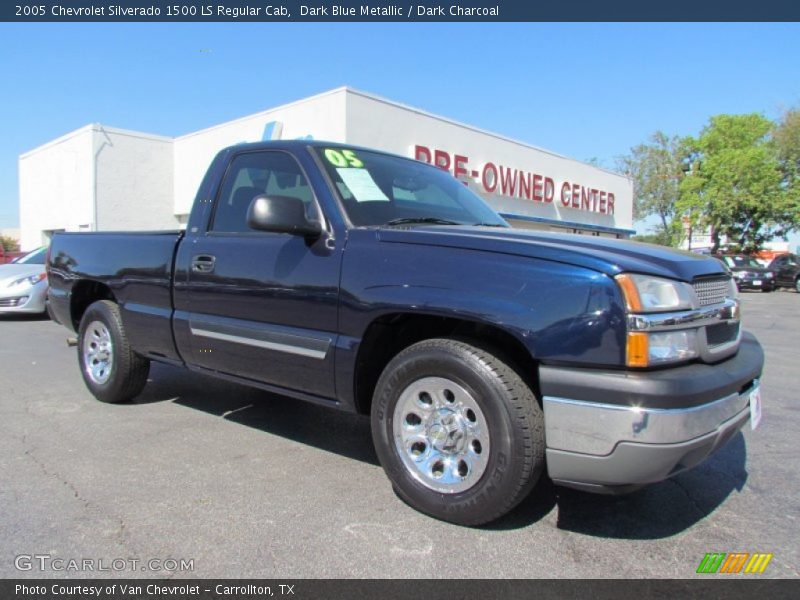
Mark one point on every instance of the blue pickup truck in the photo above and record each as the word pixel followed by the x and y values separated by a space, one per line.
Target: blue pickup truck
pixel 486 356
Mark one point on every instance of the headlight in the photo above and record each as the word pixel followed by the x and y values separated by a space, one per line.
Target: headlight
pixel 770 275
pixel 30 280
pixel 644 294
pixel 741 274
pixel 649 349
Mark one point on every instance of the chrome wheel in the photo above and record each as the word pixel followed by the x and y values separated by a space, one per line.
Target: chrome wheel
pixel 441 435
pixel 98 352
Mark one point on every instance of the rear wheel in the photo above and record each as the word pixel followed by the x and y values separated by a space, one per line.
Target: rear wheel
pixel 797 285
pixel 112 371
pixel 458 432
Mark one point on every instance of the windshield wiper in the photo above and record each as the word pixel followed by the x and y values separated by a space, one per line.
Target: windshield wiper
pixel 412 220
pixel 488 225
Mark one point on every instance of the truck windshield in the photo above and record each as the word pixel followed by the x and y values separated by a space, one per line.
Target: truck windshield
pixel 378 189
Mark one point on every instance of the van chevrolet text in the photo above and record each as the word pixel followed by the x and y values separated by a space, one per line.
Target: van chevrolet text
pixel 486 356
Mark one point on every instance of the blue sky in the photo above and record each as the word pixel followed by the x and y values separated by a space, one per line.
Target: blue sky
pixel 583 90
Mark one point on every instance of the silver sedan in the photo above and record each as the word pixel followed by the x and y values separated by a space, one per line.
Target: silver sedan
pixel 23 284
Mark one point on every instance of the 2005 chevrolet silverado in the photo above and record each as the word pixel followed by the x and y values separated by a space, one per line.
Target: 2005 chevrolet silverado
pixel 380 285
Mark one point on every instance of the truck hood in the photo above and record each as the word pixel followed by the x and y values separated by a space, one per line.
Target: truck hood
pixel 606 255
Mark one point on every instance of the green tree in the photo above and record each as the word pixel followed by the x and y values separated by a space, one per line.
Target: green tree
pixel 787 142
pixel 657 169
pixel 653 238
pixel 735 183
pixel 9 244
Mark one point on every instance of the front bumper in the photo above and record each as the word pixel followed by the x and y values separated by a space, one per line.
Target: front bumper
pixel 612 431
pixel 28 299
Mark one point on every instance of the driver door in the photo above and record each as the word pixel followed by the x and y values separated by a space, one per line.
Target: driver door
pixel 262 305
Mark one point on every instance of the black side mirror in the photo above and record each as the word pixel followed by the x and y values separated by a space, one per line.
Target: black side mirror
pixel 281 214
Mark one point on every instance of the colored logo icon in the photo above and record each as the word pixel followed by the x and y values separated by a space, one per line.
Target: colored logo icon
pixel 737 562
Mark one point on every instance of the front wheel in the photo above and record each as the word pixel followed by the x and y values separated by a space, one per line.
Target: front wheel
pixel 112 371
pixel 457 430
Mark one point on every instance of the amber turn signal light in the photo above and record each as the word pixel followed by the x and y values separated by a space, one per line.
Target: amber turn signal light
pixel 632 300
pixel 637 351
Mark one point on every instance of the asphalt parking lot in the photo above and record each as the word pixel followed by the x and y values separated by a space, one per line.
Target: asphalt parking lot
pixel 247 484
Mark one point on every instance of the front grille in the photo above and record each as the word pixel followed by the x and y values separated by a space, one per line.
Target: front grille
pixel 12 302
pixel 721 333
pixel 711 291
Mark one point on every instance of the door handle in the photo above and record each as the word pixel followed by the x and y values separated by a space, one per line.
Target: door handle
pixel 203 263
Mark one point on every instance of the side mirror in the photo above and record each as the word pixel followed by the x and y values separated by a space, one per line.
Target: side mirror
pixel 281 214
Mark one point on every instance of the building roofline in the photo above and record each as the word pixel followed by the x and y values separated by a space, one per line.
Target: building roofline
pixel 59 140
pixel 498 136
pixel 91 127
pixel 265 112
pixel 132 133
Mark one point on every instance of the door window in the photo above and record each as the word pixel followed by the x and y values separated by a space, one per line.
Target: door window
pixel 254 173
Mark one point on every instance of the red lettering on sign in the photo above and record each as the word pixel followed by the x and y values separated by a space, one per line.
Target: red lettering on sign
pixel 460 166
pixel 585 199
pixel 422 153
pixel 508 181
pixel 537 188
pixel 525 185
pixel 516 183
pixel 487 185
pixel 441 159
pixel 549 189
pixel 565 193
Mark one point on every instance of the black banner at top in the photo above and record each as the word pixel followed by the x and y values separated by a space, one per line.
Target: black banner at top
pixel 397 11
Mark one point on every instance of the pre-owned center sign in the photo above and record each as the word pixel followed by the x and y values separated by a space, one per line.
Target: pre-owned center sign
pixel 495 178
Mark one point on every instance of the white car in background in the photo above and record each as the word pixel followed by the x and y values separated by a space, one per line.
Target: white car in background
pixel 23 284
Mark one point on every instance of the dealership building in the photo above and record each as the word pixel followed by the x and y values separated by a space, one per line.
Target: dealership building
pixel 105 178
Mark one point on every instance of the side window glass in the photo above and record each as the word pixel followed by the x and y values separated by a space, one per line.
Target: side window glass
pixel 254 173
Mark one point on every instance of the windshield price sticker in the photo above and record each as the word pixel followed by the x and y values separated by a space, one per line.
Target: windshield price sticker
pixel 343 158
pixel 362 185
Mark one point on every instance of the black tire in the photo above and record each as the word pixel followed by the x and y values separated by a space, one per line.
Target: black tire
pixel 511 412
pixel 797 285
pixel 128 371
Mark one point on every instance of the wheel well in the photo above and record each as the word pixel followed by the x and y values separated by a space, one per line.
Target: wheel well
pixel 84 293
pixel 390 334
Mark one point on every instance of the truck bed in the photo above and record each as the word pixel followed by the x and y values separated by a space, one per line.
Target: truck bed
pixel 136 268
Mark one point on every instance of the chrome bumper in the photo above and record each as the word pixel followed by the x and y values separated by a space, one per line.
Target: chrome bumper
pixel 598 445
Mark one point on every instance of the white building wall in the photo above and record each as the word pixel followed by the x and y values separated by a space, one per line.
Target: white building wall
pixel 383 124
pixel 321 117
pixel 134 180
pixel 55 188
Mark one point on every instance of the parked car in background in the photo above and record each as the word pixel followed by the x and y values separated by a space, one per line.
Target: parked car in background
pixel 786 270
pixel 748 272
pixel 766 256
pixel 23 284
